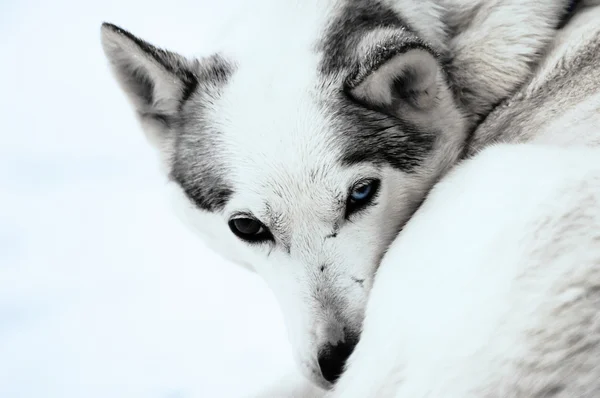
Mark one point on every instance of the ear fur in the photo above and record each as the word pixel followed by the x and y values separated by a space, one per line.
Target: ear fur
pixel 407 78
pixel 156 81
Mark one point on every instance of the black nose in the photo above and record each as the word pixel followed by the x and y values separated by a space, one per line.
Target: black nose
pixel 332 359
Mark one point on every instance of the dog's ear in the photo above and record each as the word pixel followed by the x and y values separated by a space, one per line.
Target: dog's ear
pixel 155 80
pixel 404 81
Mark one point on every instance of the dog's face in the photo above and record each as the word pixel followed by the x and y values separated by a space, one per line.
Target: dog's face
pixel 303 171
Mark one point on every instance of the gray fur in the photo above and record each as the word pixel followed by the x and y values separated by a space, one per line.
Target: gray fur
pixel 183 132
pixel 502 65
pixel 366 132
pixel 565 85
pixel 560 357
pixel 195 164
pixel 563 353
pixel 136 76
pixel 347 29
pixel 559 106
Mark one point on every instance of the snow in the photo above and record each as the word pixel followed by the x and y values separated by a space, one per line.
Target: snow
pixel 103 292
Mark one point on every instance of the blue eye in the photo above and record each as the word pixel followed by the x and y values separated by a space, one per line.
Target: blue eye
pixel 361 192
pixel 361 196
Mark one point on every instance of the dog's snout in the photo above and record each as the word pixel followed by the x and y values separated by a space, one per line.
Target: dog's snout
pixel 332 359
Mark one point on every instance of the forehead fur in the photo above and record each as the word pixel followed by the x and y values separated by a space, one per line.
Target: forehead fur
pixel 281 114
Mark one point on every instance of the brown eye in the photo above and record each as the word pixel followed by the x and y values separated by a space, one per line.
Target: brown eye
pixel 249 229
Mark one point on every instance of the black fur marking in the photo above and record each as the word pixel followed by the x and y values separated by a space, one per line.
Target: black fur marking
pixel 344 33
pixel 208 192
pixel 369 135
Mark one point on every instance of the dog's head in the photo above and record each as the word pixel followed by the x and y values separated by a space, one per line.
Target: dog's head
pixel 302 166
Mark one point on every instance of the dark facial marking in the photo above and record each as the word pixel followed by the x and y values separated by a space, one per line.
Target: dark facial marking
pixel 372 136
pixel 185 129
pixel 195 164
pixel 208 192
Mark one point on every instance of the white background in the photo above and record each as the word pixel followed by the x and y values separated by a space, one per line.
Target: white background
pixel 103 293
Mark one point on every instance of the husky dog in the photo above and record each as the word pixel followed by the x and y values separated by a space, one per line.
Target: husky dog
pixel 303 147
pixel 504 255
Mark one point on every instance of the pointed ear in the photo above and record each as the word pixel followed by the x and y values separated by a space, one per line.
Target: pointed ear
pixel 406 80
pixel 156 81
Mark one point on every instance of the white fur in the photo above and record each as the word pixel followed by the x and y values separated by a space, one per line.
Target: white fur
pixel 278 152
pixel 499 246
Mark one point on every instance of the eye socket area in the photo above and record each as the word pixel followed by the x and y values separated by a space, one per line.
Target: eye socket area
pixel 249 229
pixel 361 195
